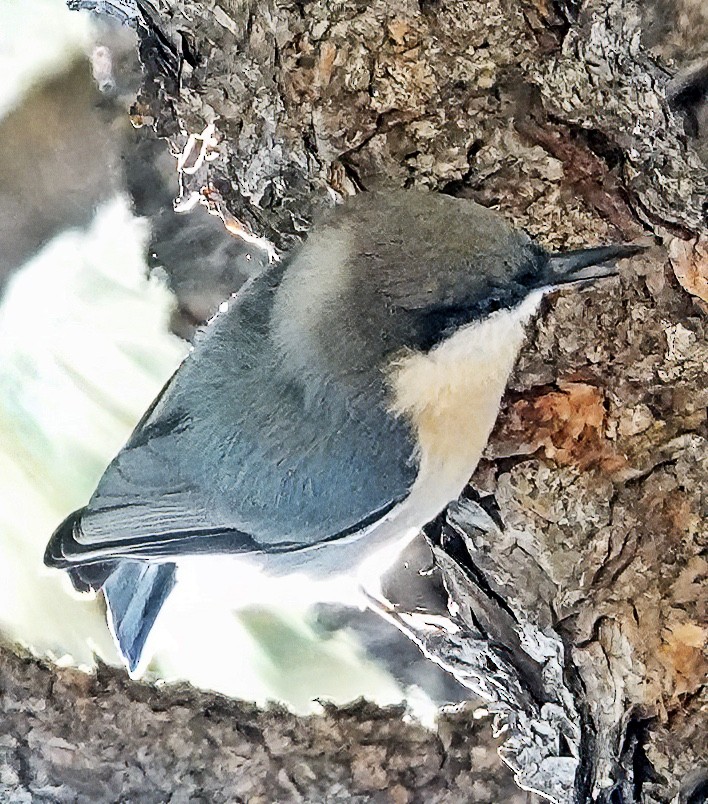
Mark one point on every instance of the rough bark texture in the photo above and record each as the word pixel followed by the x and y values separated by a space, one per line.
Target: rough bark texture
pixel 574 562
pixel 69 737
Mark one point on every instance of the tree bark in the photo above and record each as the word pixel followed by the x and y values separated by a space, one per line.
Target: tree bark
pixel 574 561
pixel 66 736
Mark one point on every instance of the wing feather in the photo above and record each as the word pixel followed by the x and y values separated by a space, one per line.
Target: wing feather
pixel 280 462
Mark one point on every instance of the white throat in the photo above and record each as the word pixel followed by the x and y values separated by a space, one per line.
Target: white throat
pixel 452 394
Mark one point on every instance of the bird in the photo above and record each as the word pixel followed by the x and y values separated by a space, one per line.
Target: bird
pixel 336 405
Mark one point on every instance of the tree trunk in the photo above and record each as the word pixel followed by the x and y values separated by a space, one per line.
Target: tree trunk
pixel 67 736
pixel 573 562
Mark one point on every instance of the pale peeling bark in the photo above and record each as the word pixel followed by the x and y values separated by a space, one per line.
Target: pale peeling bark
pixel 574 564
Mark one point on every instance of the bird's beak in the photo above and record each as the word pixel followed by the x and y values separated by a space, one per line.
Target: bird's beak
pixel 588 263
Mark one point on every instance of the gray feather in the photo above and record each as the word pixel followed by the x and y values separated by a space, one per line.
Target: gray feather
pixel 135 592
pixel 241 453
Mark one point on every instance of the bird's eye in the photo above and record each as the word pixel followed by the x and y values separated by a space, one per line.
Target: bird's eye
pixel 436 322
pixel 528 275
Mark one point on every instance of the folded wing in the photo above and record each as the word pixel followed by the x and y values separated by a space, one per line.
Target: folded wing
pixel 287 462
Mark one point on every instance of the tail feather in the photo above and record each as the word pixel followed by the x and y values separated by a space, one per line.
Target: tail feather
pixel 134 590
pixel 91 577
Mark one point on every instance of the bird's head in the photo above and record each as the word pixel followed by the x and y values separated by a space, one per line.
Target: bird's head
pixel 405 270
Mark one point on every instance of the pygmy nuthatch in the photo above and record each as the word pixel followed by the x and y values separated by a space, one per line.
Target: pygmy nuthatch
pixel 337 406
